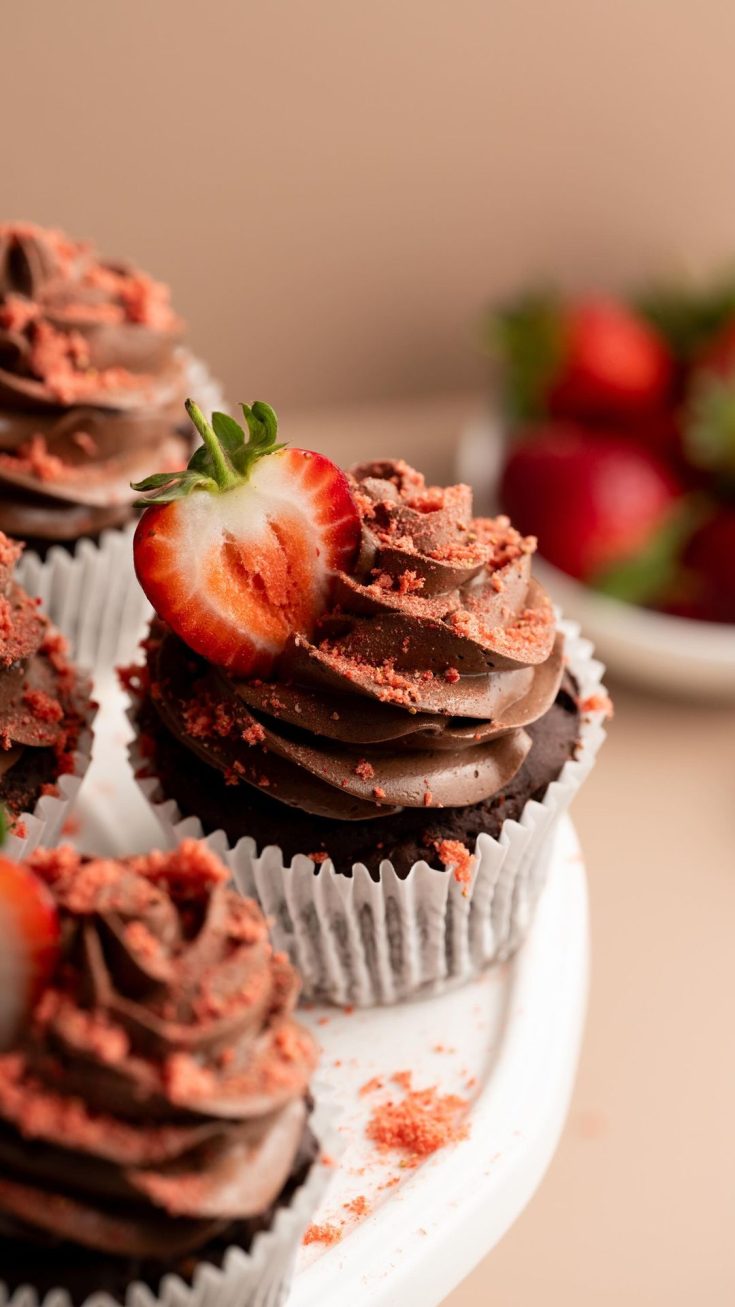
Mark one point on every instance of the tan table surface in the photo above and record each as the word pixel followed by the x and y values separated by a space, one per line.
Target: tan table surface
pixel 638 1207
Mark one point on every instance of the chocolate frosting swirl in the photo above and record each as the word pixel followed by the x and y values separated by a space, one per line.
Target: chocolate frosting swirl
pixel 159 1092
pixel 42 698
pixel 414 690
pixel 91 385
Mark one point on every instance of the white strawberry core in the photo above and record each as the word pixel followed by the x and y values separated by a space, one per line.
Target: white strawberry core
pixel 259 547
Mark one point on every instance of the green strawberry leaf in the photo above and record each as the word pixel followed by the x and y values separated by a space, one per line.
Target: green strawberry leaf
pixel 224 460
pixel 709 425
pixel 650 575
pixel 229 432
pixel 527 340
pixel 689 318
pixel 167 486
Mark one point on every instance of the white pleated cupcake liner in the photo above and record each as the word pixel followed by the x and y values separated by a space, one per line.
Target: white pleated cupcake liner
pixel 45 825
pixel 364 942
pixel 91 593
pixel 259 1277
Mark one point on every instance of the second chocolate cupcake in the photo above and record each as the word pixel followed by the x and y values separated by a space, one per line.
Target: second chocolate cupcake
pixel 383 718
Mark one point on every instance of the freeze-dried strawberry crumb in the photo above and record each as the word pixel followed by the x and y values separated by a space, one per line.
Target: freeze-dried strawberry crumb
pixel 378 793
pixel 597 703
pixel 328 1234
pixel 56 649
pixel 365 770
pixel 42 706
pixel 451 675
pixel 189 870
pixel 185 1079
pixel 86 443
pixel 370 1086
pixel 455 854
pixel 254 734
pixel 358 1206
pixel 33 458
pixel 422 1123
pixel 16 312
pixel 403 1078
pixel 141 941
pixel 318 857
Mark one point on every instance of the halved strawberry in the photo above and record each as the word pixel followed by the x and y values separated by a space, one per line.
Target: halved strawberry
pixel 29 945
pixel 238 552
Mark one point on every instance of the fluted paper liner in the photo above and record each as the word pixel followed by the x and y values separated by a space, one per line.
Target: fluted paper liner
pixel 44 826
pixel 360 941
pixel 259 1277
pixel 91 594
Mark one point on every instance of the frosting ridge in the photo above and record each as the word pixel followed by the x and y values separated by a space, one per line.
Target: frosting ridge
pixel 91 384
pixel 436 652
pixel 42 698
pixel 160 1091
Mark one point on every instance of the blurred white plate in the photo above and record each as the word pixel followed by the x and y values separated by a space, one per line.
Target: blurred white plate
pixel 646 648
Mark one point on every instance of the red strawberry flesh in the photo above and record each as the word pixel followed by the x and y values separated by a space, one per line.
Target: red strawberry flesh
pixel 29 946
pixel 235 574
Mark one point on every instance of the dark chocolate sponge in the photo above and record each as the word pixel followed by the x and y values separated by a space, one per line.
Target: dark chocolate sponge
pixel 404 837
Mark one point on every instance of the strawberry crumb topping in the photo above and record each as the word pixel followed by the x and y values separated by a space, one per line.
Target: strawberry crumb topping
pixel 597 703
pixel 327 1234
pixel 420 1124
pixel 455 855
pixel 370 1086
pixel 254 734
pixel 43 706
pixel 33 457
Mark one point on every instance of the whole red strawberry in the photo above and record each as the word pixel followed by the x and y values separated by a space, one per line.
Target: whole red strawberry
pixel 593 499
pixel 237 552
pixel 614 365
pixel 593 359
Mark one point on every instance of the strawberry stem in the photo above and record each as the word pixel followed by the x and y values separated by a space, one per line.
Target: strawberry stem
pixel 224 473
pixel 223 461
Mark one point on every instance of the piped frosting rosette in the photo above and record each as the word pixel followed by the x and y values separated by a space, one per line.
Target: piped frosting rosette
pixel 155 1114
pixel 92 382
pixel 419 692
pixel 45 717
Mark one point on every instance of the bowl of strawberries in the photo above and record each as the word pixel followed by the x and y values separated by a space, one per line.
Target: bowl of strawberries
pixel 614 444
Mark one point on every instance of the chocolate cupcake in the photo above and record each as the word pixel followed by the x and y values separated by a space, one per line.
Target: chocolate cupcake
pixel 92 381
pixel 45 714
pixel 406 753
pixel 154 1107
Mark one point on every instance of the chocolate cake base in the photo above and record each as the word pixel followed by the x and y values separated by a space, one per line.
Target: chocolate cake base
pixel 403 837
pixel 82 1271
pixel 22 785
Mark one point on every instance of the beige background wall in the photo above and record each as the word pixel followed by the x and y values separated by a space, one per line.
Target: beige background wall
pixel 333 187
